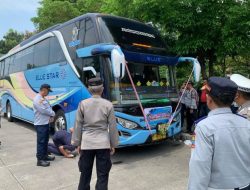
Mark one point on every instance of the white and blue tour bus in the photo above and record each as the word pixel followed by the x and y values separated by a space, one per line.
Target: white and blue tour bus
pixel 67 55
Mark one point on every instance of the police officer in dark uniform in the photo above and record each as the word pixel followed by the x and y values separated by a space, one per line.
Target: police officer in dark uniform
pixel 220 159
pixel 191 101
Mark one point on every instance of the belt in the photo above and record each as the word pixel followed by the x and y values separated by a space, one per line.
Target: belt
pixel 238 188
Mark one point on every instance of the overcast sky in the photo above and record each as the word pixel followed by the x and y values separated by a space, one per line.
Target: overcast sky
pixel 16 14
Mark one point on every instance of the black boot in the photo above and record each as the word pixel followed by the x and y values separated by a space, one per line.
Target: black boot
pixel 49 158
pixel 43 163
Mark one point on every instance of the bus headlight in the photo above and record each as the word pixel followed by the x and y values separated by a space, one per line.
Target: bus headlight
pixel 127 124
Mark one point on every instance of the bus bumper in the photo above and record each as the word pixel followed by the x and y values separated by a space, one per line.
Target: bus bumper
pixel 140 137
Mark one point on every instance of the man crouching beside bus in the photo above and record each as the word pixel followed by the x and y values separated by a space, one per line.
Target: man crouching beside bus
pixel 96 135
pixel 62 144
pixel 43 117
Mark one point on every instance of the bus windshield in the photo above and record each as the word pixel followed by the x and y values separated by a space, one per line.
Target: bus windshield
pixel 153 83
pixel 131 35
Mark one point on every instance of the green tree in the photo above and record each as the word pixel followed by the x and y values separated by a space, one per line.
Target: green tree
pixel 10 40
pixel 28 34
pixel 53 12
pixel 125 8
pixel 210 30
pixel 216 31
pixel 89 6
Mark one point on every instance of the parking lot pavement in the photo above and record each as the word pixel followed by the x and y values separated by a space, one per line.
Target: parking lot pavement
pixel 157 167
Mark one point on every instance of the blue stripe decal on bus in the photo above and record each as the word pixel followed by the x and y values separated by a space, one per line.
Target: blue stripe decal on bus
pixel 149 58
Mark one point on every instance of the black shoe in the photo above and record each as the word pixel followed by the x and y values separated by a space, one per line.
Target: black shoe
pixel 49 158
pixel 43 163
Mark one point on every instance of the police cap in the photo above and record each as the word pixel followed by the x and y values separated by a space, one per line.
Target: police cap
pixel 221 87
pixel 47 86
pixel 97 81
pixel 242 82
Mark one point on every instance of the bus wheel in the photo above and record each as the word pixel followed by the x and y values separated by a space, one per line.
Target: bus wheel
pixel 9 112
pixel 60 121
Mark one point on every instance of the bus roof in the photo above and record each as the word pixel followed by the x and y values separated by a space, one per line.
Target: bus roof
pixel 57 27
pixel 43 33
pixel 61 25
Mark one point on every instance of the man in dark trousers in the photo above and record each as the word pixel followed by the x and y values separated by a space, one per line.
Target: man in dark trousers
pixel 43 117
pixel 62 144
pixel 192 99
pixel 96 135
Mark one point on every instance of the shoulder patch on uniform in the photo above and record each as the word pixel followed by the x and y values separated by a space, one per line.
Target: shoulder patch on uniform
pixel 200 119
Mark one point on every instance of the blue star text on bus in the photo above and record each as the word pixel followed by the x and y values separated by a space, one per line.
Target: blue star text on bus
pixel 47 76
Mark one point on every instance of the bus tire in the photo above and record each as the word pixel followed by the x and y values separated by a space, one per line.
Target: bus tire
pixel 9 112
pixel 60 121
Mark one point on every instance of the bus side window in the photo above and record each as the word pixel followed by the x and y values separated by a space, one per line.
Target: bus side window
pixel 91 62
pixel 68 37
pixel 41 55
pixel 27 58
pixel 16 62
pixel 12 64
pixel 89 35
pixel 56 53
pixel 6 67
pixel 79 66
pixel 81 33
pixel 1 73
pixel 1 69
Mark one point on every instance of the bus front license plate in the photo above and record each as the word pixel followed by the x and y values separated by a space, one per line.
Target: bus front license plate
pixel 161 132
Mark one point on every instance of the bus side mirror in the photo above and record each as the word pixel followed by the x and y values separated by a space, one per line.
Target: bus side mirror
pixel 118 63
pixel 115 52
pixel 196 66
pixel 197 70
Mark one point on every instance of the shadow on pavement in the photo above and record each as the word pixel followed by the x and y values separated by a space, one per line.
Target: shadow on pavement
pixel 130 154
pixel 137 153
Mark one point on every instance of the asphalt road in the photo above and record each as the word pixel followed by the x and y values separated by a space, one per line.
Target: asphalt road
pixel 157 167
